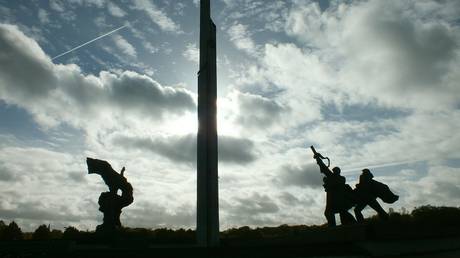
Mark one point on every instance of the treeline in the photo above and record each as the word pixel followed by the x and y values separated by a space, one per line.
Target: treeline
pixel 161 235
pixel 435 220
pixel 13 232
pixel 423 221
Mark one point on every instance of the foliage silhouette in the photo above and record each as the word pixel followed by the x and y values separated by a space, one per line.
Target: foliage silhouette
pixel 71 233
pixel 2 229
pixel 42 233
pixel 436 215
pixel 11 232
pixel 422 222
pixel 425 223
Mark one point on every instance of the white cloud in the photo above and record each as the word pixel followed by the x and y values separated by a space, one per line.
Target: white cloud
pixel 57 5
pixel 124 46
pixel 6 13
pixel 140 35
pixel 149 214
pixel 182 148
pixel 253 112
pixel 97 3
pixel 350 58
pixel 409 60
pixel 266 15
pixel 312 26
pixel 157 16
pixel 88 3
pixel 192 53
pixel 64 9
pixel 397 54
pixel 43 16
pixel 115 10
pixel 438 186
pixel 414 138
pixel 305 175
pixel 297 78
pixel 239 35
pixel 36 204
pixel 101 22
pixel 63 93
pixel 150 47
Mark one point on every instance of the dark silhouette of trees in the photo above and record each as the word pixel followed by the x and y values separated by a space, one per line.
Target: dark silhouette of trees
pixel 10 232
pixel 436 215
pixel 56 234
pixel 42 233
pixel 423 221
pixel 71 233
pixel 2 228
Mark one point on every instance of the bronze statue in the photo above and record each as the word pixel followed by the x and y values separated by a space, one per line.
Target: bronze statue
pixel 367 191
pixel 110 203
pixel 339 195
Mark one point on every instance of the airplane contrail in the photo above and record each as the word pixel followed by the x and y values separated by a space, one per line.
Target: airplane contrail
pixel 390 164
pixel 88 42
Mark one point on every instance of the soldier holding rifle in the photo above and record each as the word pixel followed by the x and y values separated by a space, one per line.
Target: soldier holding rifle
pixel 339 196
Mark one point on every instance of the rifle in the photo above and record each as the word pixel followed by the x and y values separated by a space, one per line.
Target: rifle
pixel 318 155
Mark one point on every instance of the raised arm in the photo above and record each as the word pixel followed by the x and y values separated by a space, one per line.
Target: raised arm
pixel 323 168
pixel 319 159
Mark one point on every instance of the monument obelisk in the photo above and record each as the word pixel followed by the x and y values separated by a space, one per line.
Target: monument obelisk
pixel 207 227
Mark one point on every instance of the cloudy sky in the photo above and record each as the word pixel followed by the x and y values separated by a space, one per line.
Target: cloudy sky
pixel 369 83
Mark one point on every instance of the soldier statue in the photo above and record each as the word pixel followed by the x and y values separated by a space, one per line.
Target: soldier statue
pixel 110 203
pixel 367 191
pixel 339 195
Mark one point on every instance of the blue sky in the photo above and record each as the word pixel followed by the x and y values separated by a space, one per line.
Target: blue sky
pixel 369 83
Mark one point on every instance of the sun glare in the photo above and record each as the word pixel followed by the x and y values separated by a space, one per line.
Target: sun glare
pixel 187 124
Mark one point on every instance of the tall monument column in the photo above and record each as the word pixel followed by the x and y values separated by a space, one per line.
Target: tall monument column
pixel 207 227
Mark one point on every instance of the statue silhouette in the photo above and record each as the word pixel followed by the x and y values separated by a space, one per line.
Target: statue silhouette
pixel 339 195
pixel 367 191
pixel 110 203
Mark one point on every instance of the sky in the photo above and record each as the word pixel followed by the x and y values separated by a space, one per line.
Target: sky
pixel 369 83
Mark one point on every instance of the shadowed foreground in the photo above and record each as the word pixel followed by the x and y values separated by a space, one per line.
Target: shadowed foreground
pixel 426 232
